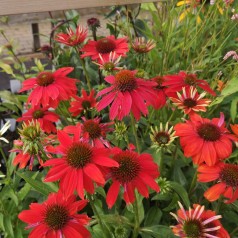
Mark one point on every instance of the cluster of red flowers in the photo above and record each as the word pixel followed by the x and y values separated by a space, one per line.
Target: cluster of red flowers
pixel 84 158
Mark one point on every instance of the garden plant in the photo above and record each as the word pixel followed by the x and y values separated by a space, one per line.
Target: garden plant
pixel 131 134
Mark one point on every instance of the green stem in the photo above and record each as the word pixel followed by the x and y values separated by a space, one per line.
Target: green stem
pixel 137 222
pixel 82 62
pixel 220 201
pixel 193 184
pixel 105 230
pixel 5 160
pixel 161 162
pixel 86 73
pixel 133 124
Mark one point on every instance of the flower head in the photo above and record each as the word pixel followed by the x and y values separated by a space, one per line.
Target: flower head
pixel 72 38
pixel 140 45
pixel 5 127
pixel 92 130
pixel 56 217
pixel 176 83
pixel 81 164
pixel 134 172
pixel 109 64
pixel 48 89
pixel 93 23
pixel 190 100
pixel 104 47
pixel 30 145
pixel 83 103
pixel 45 117
pixel 205 140
pixel 127 94
pixel 198 223
pixel 226 176
pixel 162 137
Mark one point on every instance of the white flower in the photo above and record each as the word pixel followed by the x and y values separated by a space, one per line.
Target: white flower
pixel 3 130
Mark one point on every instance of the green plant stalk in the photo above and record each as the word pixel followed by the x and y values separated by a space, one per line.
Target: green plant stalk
pixel 133 125
pixel 68 113
pixel 106 232
pixel 194 182
pixel 137 222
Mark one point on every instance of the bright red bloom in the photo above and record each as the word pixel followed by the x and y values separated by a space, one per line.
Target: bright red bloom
pixel 190 101
pixel 205 140
pixel 82 103
pixel 135 171
pixel 226 176
pixel 104 47
pixel 43 116
pixel 72 38
pixel 80 166
pixel 160 99
pixel 50 88
pixel 198 223
pixel 92 130
pixel 127 94
pixel 176 82
pixel 234 128
pixel 56 217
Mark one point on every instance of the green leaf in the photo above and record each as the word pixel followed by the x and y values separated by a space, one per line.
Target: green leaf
pixel 8 226
pixel 230 88
pixel 158 231
pixel 233 110
pixel 26 189
pixel 6 68
pixel 39 186
pixel 179 189
pixel 153 216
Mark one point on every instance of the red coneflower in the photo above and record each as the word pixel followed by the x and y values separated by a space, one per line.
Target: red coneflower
pixel 109 64
pixel 227 177
pixel 104 47
pixel 85 102
pixel 176 82
pixel 127 94
pixel 72 38
pixel 92 130
pixel 140 45
pixel 80 165
pixel 135 171
pixel 50 88
pixel 56 217
pixel 43 116
pixel 160 99
pixel 198 223
pixel 205 140
pixel 190 100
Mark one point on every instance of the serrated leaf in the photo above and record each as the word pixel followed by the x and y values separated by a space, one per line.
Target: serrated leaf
pixel 179 189
pixel 39 186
